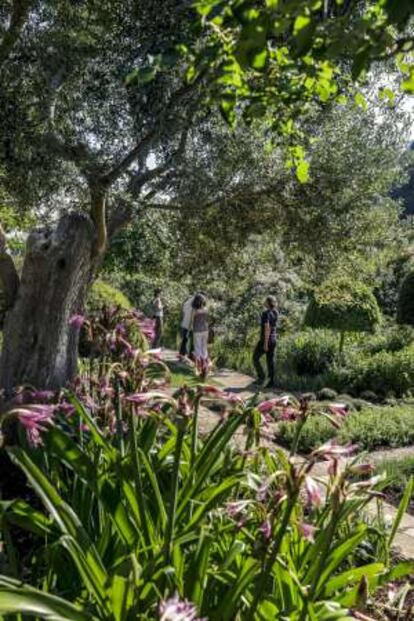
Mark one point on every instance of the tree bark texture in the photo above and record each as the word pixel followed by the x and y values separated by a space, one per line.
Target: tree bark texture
pixel 40 347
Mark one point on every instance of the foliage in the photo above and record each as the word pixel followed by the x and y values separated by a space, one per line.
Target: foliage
pixel 113 332
pixel 382 363
pixel 371 428
pixel 343 305
pixel 309 353
pixel 386 373
pixel 138 506
pixel 405 309
pixel 102 294
pixel 269 55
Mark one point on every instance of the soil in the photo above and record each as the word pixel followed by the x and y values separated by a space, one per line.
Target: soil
pixel 393 496
pixel 388 607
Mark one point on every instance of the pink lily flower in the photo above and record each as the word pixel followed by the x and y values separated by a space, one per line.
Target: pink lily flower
pixel 332 449
pixel 266 529
pixel 140 398
pixel 268 406
pixel 362 468
pixel 307 531
pixel 174 609
pixel 339 409
pixel 313 492
pixel 213 391
pixel 77 321
pixel 35 419
pixel 236 507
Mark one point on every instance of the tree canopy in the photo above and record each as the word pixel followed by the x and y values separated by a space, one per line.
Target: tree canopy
pixel 343 305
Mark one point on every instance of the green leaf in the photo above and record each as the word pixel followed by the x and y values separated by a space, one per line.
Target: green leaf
pixel 197 574
pixel 302 171
pixel 387 93
pixel 339 553
pixel 141 76
pixel 360 101
pixel 408 85
pixel 231 600
pixel 89 572
pixel 301 22
pixel 21 514
pixel 259 59
pixel 402 508
pixel 63 514
pixel 122 597
pixel 152 477
pixel 303 30
pixel 352 576
pixel 17 598
pixel 227 109
pixel 98 482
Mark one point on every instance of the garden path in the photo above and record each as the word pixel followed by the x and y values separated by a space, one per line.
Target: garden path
pixel 239 383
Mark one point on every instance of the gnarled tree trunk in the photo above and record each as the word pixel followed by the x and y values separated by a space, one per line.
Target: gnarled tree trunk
pixel 39 344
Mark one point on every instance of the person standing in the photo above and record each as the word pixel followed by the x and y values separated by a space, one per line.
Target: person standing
pixel 158 316
pixel 186 326
pixel 267 343
pixel 200 324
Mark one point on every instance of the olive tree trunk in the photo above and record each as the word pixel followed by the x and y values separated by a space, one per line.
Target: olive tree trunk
pixel 40 347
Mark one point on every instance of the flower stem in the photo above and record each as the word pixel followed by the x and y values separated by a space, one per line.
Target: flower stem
pixel 169 537
pixel 268 564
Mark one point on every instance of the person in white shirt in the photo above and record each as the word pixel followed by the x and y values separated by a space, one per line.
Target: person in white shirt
pixel 186 325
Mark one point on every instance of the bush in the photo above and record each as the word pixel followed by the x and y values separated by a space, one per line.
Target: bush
pixel 310 353
pixel 327 394
pixel 343 305
pixel 405 305
pixel 104 295
pixel 391 339
pixel 371 428
pixel 383 373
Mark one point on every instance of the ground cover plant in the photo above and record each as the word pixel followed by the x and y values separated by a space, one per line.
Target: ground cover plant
pixel 151 520
pixel 371 427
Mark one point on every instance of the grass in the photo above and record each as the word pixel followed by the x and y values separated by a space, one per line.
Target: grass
pixel 371 428
pixel 181 374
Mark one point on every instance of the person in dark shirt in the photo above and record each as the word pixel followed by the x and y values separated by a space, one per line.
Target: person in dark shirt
pixel 267 343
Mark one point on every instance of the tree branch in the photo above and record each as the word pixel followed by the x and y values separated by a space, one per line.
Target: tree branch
pixel 129 159
pixel 20 11
pixel 122 166
pixel 98 215
pixel 78 153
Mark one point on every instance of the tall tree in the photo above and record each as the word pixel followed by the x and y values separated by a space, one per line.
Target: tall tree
pixel 97 100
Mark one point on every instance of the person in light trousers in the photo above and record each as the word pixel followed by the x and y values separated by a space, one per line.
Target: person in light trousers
pixel 200 326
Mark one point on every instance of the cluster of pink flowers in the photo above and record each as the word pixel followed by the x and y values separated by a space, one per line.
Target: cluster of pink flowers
pixel 176 609
pixel 35 419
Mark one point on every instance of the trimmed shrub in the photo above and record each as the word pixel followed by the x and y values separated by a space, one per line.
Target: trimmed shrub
pixel 104 295
pixel 343 305
pixel 385 373
pixel 310 353
pixel 405 305
pixel 371 428
pixel 327 394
